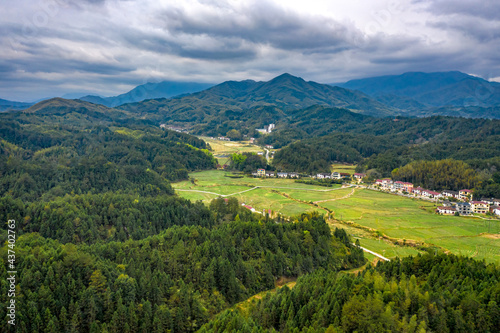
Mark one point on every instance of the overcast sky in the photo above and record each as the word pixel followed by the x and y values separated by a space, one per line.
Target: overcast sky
pixel 53 47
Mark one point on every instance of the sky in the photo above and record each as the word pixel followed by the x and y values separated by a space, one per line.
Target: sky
pixel 107 47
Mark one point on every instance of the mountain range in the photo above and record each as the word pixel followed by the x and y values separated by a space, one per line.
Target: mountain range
pixel 6 105
pixel 164 89
pixel 411 94
pixel 416 90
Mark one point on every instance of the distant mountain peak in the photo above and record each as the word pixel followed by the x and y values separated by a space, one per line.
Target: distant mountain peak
pixel 286 77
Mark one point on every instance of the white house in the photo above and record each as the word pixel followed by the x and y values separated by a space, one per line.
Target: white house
pixel 324 176
pixel 446 210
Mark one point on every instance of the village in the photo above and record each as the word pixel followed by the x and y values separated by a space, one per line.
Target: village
pixel 452 202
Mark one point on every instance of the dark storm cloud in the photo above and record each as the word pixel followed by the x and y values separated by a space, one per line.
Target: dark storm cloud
pixel 109 44
pixel 264 23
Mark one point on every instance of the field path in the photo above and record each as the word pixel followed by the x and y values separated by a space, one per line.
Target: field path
pixel 271 187
pixel 344 197
pixel 374 253
pixel 222 195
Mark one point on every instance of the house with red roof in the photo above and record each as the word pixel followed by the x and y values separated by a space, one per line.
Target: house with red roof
pixel 465 194
pixel 480 207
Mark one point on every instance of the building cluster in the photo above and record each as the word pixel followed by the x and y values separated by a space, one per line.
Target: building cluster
pixel 267 129
pixel 340 176
pixel 335 175
pixel 466 206
pixel 223 138
pixel 264 173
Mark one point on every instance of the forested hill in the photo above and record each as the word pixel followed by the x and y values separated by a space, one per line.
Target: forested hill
pixel 423 294
pixel 78 151
pixel 172 281
pixel 385 144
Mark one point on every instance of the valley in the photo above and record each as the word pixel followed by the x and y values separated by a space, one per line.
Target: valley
pixel 366 214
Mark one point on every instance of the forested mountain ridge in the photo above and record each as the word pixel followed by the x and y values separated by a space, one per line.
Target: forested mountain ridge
pixel 420 90
pixel 286 92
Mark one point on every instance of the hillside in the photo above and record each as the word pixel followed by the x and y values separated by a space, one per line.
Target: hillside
pixel 150 90
pixel 383 144
pixel 414 90
pixel 76 112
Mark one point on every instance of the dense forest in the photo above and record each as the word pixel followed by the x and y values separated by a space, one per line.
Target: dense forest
pixel 173 281
pixel 248 162
pixel 427 293
pixel 438 175
pixel 43 159
pixel 382 147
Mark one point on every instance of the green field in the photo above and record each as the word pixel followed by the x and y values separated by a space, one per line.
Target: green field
pixel 222 149
pixel 344 168
pixel 397 217
pixel 268 196
pixel 412 219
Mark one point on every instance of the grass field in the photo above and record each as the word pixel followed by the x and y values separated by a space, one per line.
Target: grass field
pixel 412 219
pixel 397 217
pixel 343 168
pixel 222 149
pixel 266 197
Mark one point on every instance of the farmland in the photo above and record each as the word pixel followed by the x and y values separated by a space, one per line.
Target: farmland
pixel 361 211
pixel 222 149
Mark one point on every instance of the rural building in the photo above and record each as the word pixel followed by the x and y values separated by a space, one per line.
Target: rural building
pixel 269 147
pixel 269 174
pixel 418 190
pixel 408 187
pixel 386 183
pixel 450 194
pixel 495 210
pixel 480 207
pixel 261 172
pixel 282 174
pixel 324 176
pixel 359 177
pixel 446 210
pixel 345 175
pixel 490 201
pixel 293 175
pixel 465 194
pixel 464 208
pixel 249 207
pixel 430 194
